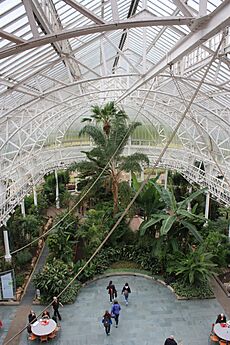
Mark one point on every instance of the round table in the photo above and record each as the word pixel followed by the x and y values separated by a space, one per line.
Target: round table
pixel 222 330
pixel 41 327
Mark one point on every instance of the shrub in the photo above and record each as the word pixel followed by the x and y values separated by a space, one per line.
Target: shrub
pixel 20 277
pixel 203 290
pixel 51 281
pixel 23 257
pixel 194 268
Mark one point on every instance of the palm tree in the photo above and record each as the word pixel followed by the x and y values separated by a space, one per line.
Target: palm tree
pixel 105 115
pixel 175 217
pixel 106 157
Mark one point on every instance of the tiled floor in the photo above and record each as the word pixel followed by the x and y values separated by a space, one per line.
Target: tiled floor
pixel 153 314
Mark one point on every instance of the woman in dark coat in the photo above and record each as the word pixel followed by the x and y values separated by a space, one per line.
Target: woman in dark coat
pixel 31 318
pixel 111 291
pixel 107 321
pixel 126 291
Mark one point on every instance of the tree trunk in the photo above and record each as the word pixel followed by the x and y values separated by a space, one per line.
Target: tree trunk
pixel 115 190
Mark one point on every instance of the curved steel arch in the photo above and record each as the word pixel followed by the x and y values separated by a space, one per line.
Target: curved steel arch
pixel 37 115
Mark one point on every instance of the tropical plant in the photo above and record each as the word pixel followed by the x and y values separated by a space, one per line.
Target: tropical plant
pixel 149 197
pixel 51 281
pixel 175 218
pixel 105 115
pixel 62 241
pixel 105 160
pixel 194 268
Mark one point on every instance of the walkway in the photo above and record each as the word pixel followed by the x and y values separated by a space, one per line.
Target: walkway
pixel 21 311
pixel 152 315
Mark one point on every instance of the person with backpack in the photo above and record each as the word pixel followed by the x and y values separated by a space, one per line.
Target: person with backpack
pixel 107 322
pixel 115 311
pixel 126 291
pixel 111 291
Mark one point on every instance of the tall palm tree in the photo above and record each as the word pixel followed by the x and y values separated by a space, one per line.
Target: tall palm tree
pixel 175 217
pixel 105 115
pixel 106 157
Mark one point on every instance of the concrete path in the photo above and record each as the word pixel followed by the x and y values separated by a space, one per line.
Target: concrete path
pixel 22 310
pixel 152 315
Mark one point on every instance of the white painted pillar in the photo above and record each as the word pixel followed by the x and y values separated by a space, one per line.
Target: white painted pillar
pixel 207 202
pixel 166 178
pixel 6 245
pixel 57 190
pixel 35 196
pixel 189 208
pixel 23 210
pixel 142 174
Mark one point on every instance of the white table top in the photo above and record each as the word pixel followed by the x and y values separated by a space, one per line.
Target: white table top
pixel 222 331
pixel 42 328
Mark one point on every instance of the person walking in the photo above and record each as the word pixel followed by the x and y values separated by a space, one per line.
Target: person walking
pixel 115 311
pixel 107 322
pixel 55 305
pixel 111 291
pixel 126 291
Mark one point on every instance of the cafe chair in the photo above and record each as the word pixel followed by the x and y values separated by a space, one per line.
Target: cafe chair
pixel 222 342
pixel 52 335
pixel 32 337
pixel 43 338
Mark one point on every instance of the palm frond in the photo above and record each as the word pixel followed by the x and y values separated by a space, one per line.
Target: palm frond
pixel 95 133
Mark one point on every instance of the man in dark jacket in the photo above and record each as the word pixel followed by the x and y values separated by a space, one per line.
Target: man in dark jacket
pixel 55 305
pixel 170 341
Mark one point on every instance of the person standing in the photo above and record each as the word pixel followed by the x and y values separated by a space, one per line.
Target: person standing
pixel 55 305
pixel 111 291
pixel 126 291
pixel 115 311
pixel 107 322
pixel 31 318
pixel 170 341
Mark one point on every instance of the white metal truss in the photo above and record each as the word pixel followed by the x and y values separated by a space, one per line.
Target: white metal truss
pixel 60 57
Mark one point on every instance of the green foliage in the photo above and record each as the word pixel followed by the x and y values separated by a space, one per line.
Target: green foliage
pixel 22 229
pixel 62 241
pixel 174 219
pixel 49 186
pixel 23 257
pixel 194 268
pixel 53 279
pixel 105 159
pixel 218 244
pixel 203 290
pixel 149 197
pixel 93 230
pixel 20 278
